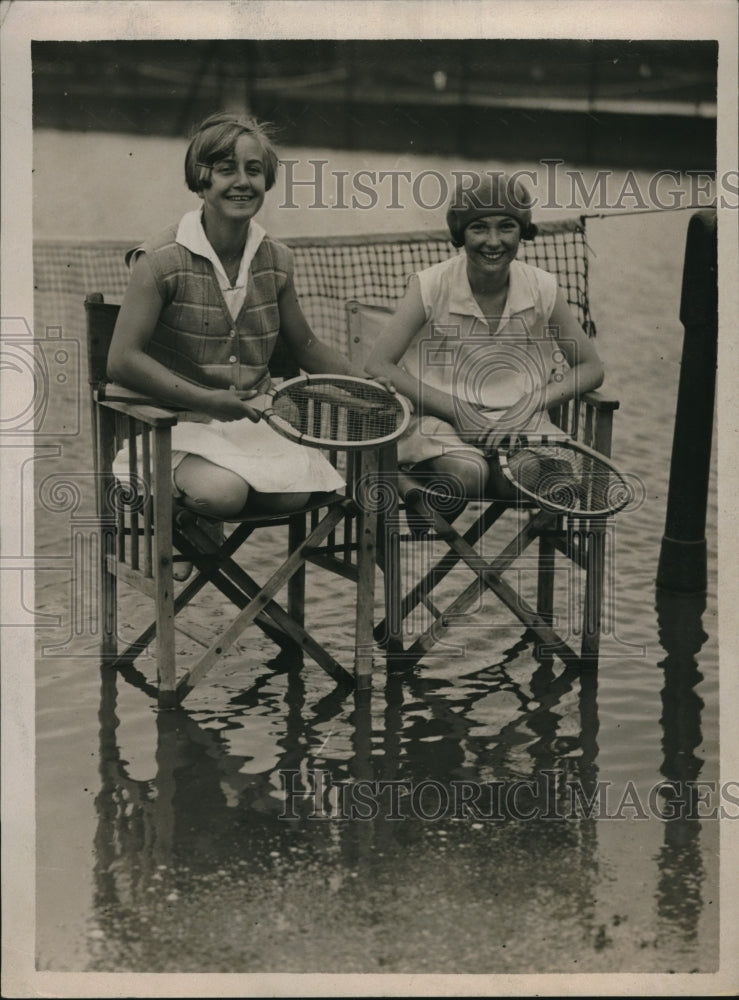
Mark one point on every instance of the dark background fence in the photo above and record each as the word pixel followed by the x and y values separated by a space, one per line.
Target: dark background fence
pixel 614 103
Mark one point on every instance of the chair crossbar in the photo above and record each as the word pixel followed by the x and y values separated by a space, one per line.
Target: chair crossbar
pixel 236 584
pixel 489 574
pixel 209 570
pixel 447 562
pixel 258 603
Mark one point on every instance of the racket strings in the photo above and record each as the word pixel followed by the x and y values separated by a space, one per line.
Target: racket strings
pixel 327 412
pixel 564 477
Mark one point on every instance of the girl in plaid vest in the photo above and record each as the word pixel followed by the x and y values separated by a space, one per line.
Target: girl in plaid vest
pixel 205 303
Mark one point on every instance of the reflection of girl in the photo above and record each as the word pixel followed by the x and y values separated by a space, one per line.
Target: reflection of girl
pixel 198 324
pixel 482 329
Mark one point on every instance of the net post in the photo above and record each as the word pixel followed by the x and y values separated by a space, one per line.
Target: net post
pixel 682 560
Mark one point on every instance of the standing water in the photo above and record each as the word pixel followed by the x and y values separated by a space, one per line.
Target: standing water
pixel 166 842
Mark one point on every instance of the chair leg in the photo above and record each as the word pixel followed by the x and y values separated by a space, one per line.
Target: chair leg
pixel 364 635
pixel 594 574
pixel 390 631
pixel 545 579
pixel 104 425
pixel 108 595
pixel 163 578
pixel 296 583
pixel 166 667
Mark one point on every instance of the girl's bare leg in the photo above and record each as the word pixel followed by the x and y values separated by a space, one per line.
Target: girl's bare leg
pixel 461 473
pixel 209 489
pixel 217 492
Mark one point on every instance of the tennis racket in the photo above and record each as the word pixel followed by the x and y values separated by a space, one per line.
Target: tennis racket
pixel 562 475
pixel 336 411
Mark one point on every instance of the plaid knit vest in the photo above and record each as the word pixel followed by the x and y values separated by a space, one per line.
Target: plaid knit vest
pixel 196 335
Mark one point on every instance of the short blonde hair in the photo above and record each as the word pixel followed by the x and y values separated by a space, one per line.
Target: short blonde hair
pixel 215 138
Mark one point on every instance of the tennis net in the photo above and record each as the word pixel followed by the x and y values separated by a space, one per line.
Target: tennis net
pixel 329 271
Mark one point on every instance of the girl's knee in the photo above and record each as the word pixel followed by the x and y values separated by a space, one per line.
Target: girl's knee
pixel 463 475
pixel 210 489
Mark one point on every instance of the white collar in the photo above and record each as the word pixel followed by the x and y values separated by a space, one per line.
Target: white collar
pixel 518 298
pixel 190 234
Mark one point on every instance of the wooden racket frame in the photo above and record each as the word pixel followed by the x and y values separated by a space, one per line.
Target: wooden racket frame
pixel 515 442
pixel 284 428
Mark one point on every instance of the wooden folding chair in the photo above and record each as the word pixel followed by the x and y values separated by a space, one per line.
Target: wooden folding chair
pixel 142 525
pixel 588 419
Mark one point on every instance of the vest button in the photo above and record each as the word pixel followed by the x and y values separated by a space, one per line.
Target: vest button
pixel 232 359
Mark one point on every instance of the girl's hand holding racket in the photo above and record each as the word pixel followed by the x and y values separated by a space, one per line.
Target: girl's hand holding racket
pixel 218 404
pixel 230 404
pixel 489 429
pixel 388 386
pixel 382 380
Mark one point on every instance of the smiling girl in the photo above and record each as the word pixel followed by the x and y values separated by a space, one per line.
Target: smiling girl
pixel 206 301
pixel 475 341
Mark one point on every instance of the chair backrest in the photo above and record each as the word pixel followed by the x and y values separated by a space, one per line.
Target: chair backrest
pixel 101 319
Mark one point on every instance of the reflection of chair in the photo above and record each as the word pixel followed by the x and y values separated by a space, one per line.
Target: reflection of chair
pixel 589 420
pixel 141 525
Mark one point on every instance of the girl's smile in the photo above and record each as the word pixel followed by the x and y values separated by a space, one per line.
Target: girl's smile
pixel 491 243
pixel 237 182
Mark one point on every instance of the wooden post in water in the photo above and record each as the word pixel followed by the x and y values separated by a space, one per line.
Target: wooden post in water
pixel 682 561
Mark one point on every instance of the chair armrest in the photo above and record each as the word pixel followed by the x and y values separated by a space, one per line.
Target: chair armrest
pixel 600 402
pixel 154 416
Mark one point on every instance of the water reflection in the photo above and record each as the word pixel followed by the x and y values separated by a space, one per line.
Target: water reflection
pixel 203 846
pixel 680 861
pixel 207 825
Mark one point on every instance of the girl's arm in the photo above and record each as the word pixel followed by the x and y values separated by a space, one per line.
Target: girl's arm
pixel 131 366
pixel 390 347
